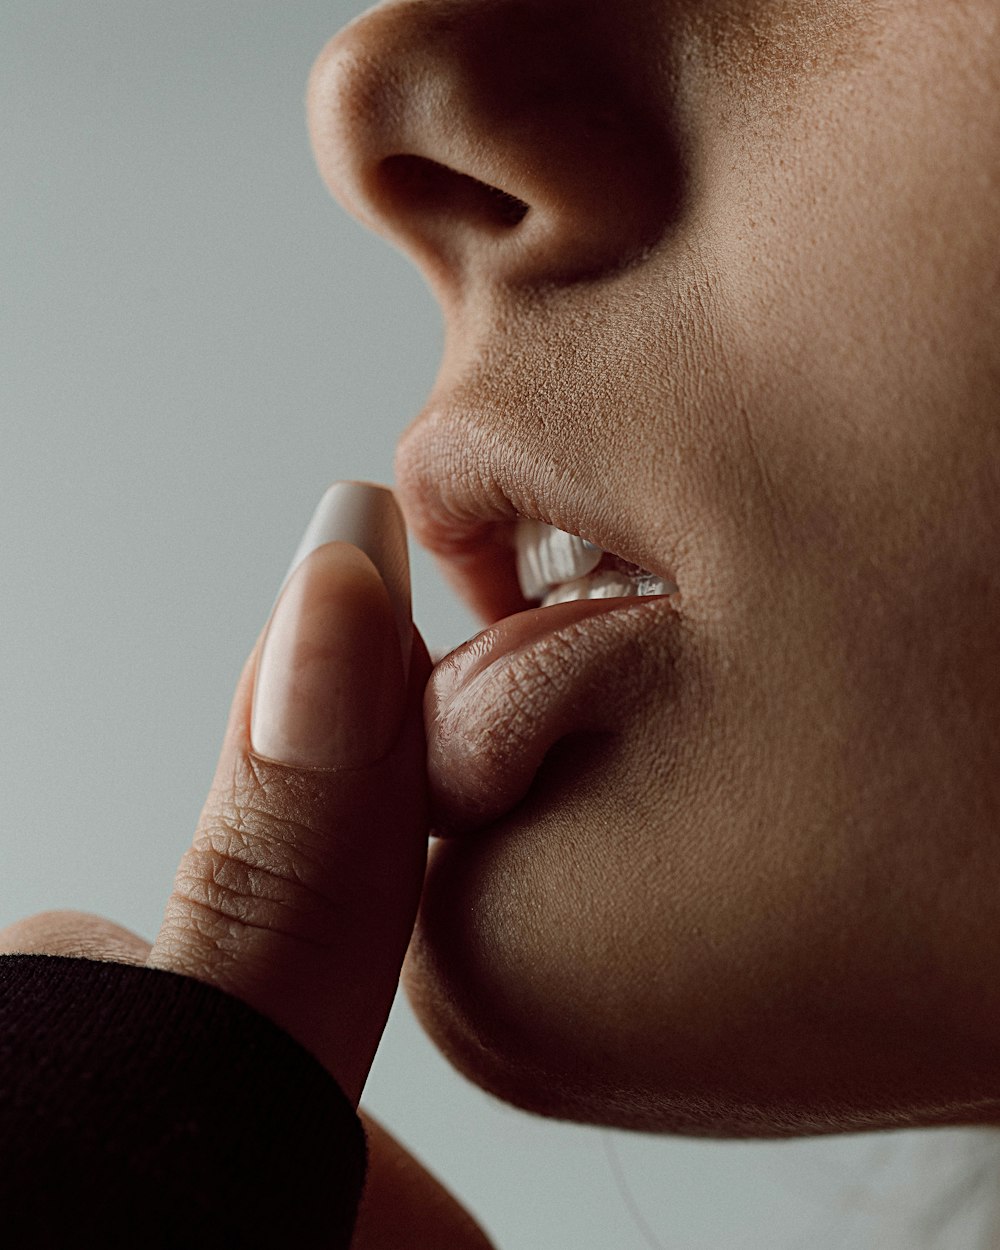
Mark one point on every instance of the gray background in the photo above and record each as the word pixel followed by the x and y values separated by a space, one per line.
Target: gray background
pixel 196 341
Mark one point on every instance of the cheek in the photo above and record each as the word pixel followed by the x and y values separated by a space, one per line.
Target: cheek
pixel 853 217
pixel 764 905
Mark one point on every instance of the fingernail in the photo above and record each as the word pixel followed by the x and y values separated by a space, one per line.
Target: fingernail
pixel 331 676
pixel 367 516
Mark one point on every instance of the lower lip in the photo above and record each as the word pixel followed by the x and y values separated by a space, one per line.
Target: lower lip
pixel 497 704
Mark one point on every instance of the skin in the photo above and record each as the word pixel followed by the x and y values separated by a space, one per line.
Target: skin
pixel 720 281
pixel 299 891
pixel 750 325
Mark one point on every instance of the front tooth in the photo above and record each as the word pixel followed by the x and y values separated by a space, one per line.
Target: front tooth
pixel 568 592
pixel 650 584
pixel 609 585
pixel 547 556
pixel 606 585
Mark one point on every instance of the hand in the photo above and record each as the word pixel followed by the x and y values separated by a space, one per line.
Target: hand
pixel 300 889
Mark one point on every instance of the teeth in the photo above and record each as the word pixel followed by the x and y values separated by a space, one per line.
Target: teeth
pixel 557 567
pixel 608 585
pixel 546 557
pixel 650 584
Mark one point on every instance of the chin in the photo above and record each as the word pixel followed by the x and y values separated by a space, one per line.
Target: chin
pixel 537 1063
pixel 518 972
pixel 491 974
pixel 559 963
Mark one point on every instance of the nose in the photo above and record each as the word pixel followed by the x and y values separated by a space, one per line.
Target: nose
pixel 507 141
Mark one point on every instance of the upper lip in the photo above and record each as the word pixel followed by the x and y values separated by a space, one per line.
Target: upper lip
pixel 463 479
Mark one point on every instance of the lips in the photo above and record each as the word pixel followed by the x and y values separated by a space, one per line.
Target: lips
pixel 497 705
pixel 463 487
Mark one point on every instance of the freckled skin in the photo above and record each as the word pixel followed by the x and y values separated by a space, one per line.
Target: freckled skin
pixel 763 899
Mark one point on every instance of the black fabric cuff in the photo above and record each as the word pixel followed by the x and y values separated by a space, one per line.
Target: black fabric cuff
pixel 143 1108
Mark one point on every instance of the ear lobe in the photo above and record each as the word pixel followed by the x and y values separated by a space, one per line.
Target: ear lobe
pixel 78 934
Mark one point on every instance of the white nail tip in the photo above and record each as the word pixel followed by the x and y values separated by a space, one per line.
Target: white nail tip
pixel 366 516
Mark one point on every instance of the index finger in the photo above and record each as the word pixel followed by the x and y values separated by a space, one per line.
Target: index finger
pixel 300 889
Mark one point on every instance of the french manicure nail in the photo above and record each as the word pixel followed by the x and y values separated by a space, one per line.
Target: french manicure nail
pixel 367 516
pixel 331 675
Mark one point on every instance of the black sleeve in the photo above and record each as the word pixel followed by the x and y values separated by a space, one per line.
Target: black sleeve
pixel 141 1108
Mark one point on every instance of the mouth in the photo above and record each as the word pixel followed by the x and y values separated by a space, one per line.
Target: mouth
pixel 567 595
pixel 511 529
pixel 554 566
